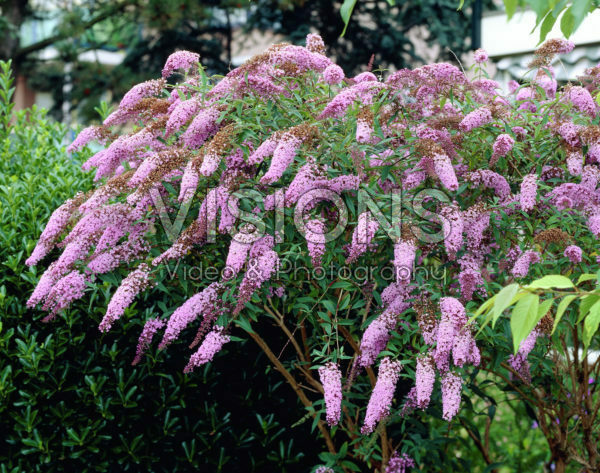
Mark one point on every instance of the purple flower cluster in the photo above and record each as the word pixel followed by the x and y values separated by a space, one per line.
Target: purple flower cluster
pixel 399 463
pixel 283 155
pixel 85 136
pixel 502 146
pixel 375 337
pixel 150 328
pixel 202 304
pixel 180 60
pixel 261 266
pixel 57 223
pixel 582 100
pixel 493 180
pixel 211 345
pixel 382 395
pixel 315 241
pixel 573 252
pixel 362 236
pixel 528 192
pixel 475 119
pixel 331 379
pixel 521 266
pixel 519 361
pixel 451 393
pixel 480 56
pixel 404 259
pixel 453 339
pixel 333 74
pixel 425 379
pixel 130 287
pixel 452 226
pixel 140 91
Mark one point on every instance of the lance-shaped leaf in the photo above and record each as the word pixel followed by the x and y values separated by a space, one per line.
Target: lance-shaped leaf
pixel 524 318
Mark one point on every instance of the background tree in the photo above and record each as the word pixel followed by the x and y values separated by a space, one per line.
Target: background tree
pixel 386 31
pixel 149 30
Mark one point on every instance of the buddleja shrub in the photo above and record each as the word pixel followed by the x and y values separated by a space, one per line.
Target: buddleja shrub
pixel 361 216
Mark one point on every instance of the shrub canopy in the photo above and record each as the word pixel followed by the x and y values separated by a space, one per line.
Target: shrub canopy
pixel 365 216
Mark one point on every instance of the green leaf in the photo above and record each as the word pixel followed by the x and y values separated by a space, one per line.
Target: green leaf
pixel 567 22
pixel 511 7
pixel 346 12
pixel 540 7
pixel 561 309
pixel 590 326
pixel 585 277
pixel 547 26
pixel 544 308
pixel 579 10
pixel 524 318
pixel 552 280
pixel 485 306
pixel 586 303
pixel 461 4
pixel 245 324
pixel 503 300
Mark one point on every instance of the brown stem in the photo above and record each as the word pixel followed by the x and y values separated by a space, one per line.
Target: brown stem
pixel 511 384
pixel 385 454
pixel 356 348
pixel 560 465
pixel 482 448
pixel 304 339
pixel 295 386
pixel 279 319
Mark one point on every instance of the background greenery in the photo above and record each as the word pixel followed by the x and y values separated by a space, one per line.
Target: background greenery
pixel 147 31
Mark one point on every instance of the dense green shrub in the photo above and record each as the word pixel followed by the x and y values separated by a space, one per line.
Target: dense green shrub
pixel 69 398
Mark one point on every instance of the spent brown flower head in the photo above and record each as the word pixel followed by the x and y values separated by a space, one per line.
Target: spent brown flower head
pixel 590 134
pixel 546 323
pixel 257 61
pixel 552 235
pixel 545 53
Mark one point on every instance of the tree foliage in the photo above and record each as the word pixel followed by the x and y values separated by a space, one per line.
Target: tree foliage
pixel 149 30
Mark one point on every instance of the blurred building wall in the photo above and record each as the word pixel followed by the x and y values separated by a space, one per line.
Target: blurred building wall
pixel 510 45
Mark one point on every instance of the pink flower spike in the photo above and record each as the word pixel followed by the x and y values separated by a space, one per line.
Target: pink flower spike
pixel 333 74
pixel 521 266
pixel 399 463
pixel 130 287
pixel 180 60
pixel 573 252
pixel 480 56
pixel 380 402
pixel 211 345
pixel 150 328
pixel 202 304
pixel 475 119
pixel 283 156
pixel 331 379
pixel 451 394
pixel 528 192
pixel 425 379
